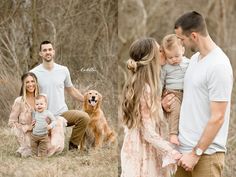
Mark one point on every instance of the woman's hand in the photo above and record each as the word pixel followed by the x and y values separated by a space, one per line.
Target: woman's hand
pixel 167 101
pixel 27 127
pixel 177 155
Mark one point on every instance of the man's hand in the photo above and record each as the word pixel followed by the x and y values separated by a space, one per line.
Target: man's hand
pixel 167 101
pixel 188 161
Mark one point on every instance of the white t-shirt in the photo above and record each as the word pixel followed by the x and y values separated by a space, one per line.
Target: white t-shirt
pixel 206 80
pixel 53 83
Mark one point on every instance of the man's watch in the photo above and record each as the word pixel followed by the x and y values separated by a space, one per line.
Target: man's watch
pixel 198 151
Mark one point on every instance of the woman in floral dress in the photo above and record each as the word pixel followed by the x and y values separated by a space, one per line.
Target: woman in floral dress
pixel 20 119
pixel 144 152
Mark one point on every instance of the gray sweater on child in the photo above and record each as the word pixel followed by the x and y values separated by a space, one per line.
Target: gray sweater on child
pixel 41 124
pixel 172 76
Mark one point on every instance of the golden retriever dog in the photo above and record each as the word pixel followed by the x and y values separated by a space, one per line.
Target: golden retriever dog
pixel 98 130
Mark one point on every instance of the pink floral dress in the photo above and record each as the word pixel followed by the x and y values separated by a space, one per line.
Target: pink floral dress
pixel 145 153
pixel 20 120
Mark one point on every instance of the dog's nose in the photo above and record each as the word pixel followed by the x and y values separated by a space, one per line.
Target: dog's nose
pixel 93 97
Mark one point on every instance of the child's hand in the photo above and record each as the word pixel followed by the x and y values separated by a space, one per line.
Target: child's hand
pixel 33 123
pixel 48 120
pixel 49 127
pixel 174 139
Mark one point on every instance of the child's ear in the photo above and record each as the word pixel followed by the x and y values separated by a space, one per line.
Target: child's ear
pixel 40 54
pixel 162 57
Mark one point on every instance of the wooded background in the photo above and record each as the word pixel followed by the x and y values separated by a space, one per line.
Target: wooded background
pixel 155 18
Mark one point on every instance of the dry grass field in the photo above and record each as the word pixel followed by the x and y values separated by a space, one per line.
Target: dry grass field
pixel 95 163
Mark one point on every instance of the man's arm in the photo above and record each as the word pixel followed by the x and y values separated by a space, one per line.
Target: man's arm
pixel 189 160
pixel 75 93
pixel 214 124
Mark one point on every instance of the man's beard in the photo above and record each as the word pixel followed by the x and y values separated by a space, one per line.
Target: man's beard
pixel 48 60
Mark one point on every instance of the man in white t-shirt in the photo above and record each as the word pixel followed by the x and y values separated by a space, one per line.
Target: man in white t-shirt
pixel 205 110
pixel 54 80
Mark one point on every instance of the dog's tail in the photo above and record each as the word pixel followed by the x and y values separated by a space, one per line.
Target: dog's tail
pixel 110 136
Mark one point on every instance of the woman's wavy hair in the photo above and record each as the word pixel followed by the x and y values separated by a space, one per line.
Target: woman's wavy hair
pixel 145 69
pixel 23 90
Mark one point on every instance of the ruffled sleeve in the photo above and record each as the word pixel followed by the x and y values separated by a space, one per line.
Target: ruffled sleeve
pixel 15 113
pixel 14 121
pixel 150 134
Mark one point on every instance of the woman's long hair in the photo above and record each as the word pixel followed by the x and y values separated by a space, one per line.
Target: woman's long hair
pixel 145 68
pixel 23 85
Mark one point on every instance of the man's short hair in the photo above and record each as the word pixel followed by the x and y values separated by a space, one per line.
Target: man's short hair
pixel 192 22
pixel 44 42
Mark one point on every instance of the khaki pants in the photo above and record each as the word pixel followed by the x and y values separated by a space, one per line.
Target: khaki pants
pixel 173 116
pixel 207 166
pixel 39 145
pixel 80 120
